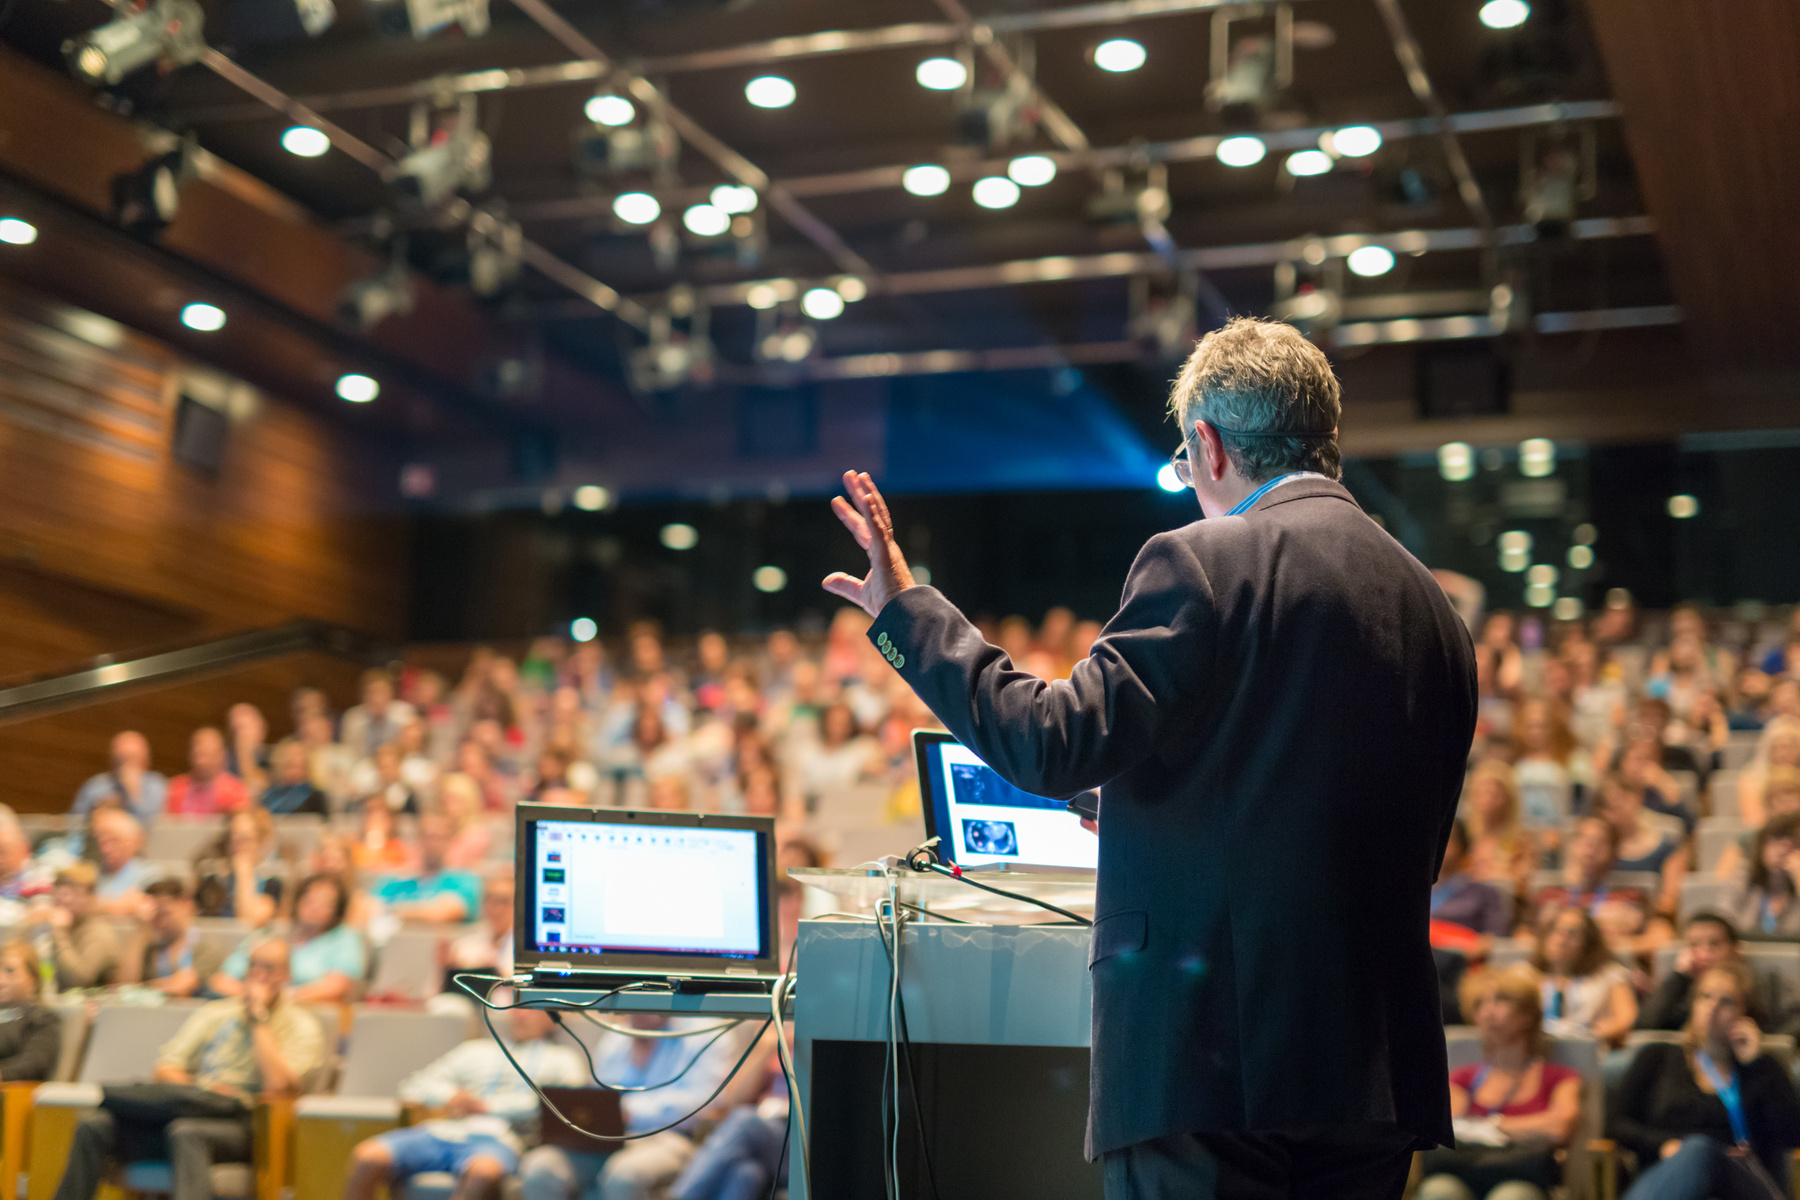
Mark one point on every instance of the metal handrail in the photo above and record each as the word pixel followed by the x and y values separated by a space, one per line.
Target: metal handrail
pixel 103 679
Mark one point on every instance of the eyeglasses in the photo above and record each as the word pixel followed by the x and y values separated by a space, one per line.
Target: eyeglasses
pixel 1184 470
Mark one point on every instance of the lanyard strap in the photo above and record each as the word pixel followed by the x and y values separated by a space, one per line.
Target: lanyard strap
pixel 1729 1096
pixel 1481 1075
pixel 1447 891
pixel 1243 506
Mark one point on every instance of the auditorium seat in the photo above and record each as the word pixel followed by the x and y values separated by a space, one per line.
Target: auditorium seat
pixel 1711 839
pixel 1722 792
pixel 182 839
pixel 408 965
pixel 1740 748
pixel 1699 894
pixel 1587 1149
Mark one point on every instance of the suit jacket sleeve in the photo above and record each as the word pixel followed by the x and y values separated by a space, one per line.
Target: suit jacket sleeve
pixel 1057 738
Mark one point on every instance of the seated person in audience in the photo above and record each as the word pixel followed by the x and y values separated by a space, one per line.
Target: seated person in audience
pixel 247 747
pixel 260 1043
pixel 84 946
pixel 378 719
pixel 1586 993
pixel 1533 1103
pixel 1764 900
pixel 118 854
pixel 164 951
pixel 131 783
pixel 207 788
pixel 637 1168
pixel 291 789
pixel 30 1034
pixel 459 800
pixel 1460 900
pixel 1781 798
pixel 379 781
pixel 1709 941
pixel 15 855
pixel 240 877
pixel 670 791
pixel 437 892
pixel 486 1105
pixel 1643 846
pixel 489 946
pixel 333 856
pixel 1623 913
pixel 1501 852
pixel 325 956
pixel 1778 747
pixel 1674 1108
pixel 1661 793
pixel 378 847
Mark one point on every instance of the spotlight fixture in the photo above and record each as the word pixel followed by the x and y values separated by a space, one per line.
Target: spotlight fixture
pixel 15 232
pixel 762 296
pixel 1032 170
pixel 1167 480
pixel 822 304
pixel 942 74
pixel 706 220
pixel 583 629
pixel 207 318
pixel 769 91
pixel 357 389
pixel 1504 14
pixel 768 579
pixel 610 110
pixel 734 198
pixel 366 303
pixel 304 141
pixel 1241 151
pixel 601 150
pixel 591 497
pixel 996 191
pixel 450 154
pixel 148 199
pixel 1541 574
pixel 1119 55
pixel 168 29
pixel 496 250
pixel 1369 261
pixel 679 536
pixel 1537 457
pixel 1456 461
pixel 419 19
pixel 1684 507
pixel 1308 162
pixel 851 289
pixel 636 208
pixel 1355 141
pixel 1540 595
pixel 927 179
pixel 994 117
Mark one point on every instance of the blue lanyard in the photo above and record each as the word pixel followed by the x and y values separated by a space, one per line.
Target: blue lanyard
pixel 1768 917
pixel 1729 1096
pixel 1599 898
pixel 1243 506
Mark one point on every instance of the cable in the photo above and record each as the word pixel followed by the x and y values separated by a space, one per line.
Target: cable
pixel 629 1031
pixel 894 920
pixel 936 916
pixel 937 868
pixel 775 1177
pixel 785 1056
pixel 593 1072
pixel 912 1070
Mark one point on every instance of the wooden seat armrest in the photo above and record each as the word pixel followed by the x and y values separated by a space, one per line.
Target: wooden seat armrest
pixel 273 1153
pixel 412 1113
pixel 15 1132
pixel 1605 1155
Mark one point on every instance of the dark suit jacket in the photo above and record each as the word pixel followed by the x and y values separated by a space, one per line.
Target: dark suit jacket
pixel 1280 714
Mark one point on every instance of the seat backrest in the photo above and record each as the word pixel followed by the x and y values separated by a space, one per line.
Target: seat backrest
pixel 386 1046
pixel 1722 790
pixel 126 1040
pixel 180 839
pixel 1690 785
pixel 1463 1045
pixel 1712 841
pixel 1740 748
pixel 1647 882
pixel 1699 893
pixel 1507 952
pixel 408 964
pixel 74 1032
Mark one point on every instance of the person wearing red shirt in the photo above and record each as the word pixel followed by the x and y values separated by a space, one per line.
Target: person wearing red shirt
pixel 208 788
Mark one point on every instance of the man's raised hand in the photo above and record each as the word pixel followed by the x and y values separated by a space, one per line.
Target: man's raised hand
pixel 865 515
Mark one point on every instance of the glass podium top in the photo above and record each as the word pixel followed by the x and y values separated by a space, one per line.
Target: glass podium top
pixel 862 887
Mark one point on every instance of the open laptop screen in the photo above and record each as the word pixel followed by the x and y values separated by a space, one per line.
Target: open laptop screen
pixel 605 888
pixel 982 820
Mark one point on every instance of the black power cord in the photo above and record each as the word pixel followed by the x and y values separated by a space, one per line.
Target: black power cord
pixel 923 858
pixel 912 1072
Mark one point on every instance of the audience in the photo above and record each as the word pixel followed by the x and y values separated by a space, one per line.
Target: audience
pixel 1764 900
pixel 118 853
pixel 208 787
pixel 164 950
pixel 436 891
pixel 83 945
pixel 131 784
pixel 1461 900
pixel 239 875
pixel 30 1034
pixel 325 956
pixel 1709 941
pixel 1585 992
pixel 292 790
pixel 1622 912
pixel 378 720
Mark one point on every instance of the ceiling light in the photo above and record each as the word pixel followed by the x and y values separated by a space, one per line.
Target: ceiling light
pixel 1456 461
pixel 1684 506
pixel 928 179
pixel 762 295
pixel 734 198
pixel 822 304
pixel 1244 151
pixel 1540 595
pixel 1119 54
pixel 1504 14
pixel 796 346
pixel 1032 170
pixel 583 629
pixel 1370 260
pixel 677 536
pixel 207 318
pixel 1537 457
pixel 996 191
pixel 1515 541
pixel 1542 575
pixel 1356 141
pixel 769 579
pixel 591 497
pixel 852 289
pixel 1167 480
pixel 1308 162
pixel 705 220
pixel 636 208
pixel 942 74
pixel 610 110
pixel 1586 534
pixel 305 141
pixel 769 91
pixel 1581 557
pixel 357 389
pixel 1568 608
pixel 15 232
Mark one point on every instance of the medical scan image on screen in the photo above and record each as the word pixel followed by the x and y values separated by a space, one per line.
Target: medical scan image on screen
pixel 651 889
pixel 991 821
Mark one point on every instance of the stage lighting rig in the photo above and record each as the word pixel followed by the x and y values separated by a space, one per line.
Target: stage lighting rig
pixel 169 30
pixel 676 355
pixel 147 200
pixel 387 293
pixel 494 251
pixel 1131 197
pixel 1554 182
pixel 450 154
pixel 601 151
pixel 419 19
pixel 1167 318
pixel 1247 76
pixel 1310 295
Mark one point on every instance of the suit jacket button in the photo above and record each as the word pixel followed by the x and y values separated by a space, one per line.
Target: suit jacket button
pixel 881 640
pixel 899 661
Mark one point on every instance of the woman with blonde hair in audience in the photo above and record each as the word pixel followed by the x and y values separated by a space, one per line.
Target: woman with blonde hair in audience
pixel 459 799
pixel 1779 747
pixel 1501 851
pixel 332 856
pixel 1545 764
pixel 1766 900
pixel 1585 993
pixel 1644 845
pixel 1713 1116
pixel 239 875
pixel 1516 1111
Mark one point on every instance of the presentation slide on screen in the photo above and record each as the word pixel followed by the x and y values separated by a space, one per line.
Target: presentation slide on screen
pixel 991 821
pixel 650 889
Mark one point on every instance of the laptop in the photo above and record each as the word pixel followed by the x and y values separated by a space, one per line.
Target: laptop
pixel 984 823
pixel 608 897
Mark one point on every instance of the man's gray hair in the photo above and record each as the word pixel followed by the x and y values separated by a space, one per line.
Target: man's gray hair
pixel 1253 379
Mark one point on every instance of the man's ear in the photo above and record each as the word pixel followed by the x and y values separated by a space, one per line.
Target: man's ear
pixel 1216 462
